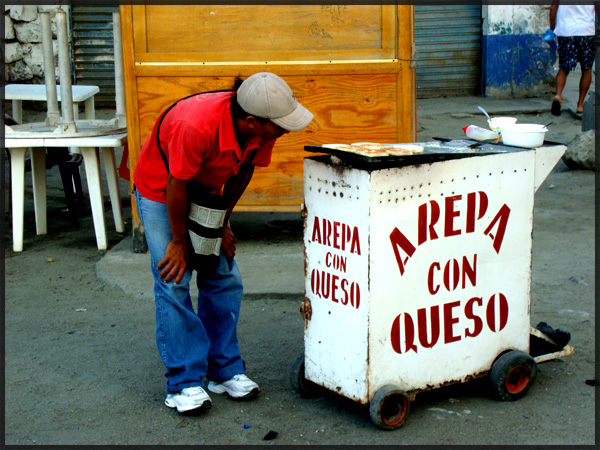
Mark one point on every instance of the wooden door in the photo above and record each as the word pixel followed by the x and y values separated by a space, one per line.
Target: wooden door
pixel 350 65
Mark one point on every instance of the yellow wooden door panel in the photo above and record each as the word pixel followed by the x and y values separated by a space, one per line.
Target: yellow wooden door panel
pixel 264 32
pixel 344 105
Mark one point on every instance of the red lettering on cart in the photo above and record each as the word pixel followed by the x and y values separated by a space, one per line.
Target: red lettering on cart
pixel 454 270
pixel 450 215
pixel 429 214
pixel 327 286
pixel 469 314
pixel 453 274
pixel 336 234
pixel 449 321
pixel 426 228
pixel 354 295
pixel 430 323
pixel 423 328
pixel 471 207
pixel 344 299
pixel 497 323
pixel 469 271
pixel 334 281
pixel 399 241
pixel 502 219
pixel 432 290
pixel 336 262
pixel 409 334
pixel 423 227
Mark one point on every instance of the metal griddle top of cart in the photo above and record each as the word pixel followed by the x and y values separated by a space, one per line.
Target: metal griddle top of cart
pixel 439 150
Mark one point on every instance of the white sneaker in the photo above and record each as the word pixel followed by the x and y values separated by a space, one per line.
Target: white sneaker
pixel 187 399
pixel 238 386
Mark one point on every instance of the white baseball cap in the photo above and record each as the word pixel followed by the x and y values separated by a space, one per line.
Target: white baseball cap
pixel 266 95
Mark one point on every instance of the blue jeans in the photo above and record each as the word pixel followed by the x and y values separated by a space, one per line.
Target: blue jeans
pixel 192 345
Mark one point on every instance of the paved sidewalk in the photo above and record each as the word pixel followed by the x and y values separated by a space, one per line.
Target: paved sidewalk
pixel 284 260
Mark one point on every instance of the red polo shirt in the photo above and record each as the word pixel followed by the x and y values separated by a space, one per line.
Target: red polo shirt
pixel 198 137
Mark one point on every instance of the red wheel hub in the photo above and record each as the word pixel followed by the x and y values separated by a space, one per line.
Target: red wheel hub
pixel 394 410
pixel 518 379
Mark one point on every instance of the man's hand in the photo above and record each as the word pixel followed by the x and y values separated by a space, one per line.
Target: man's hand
pixel 174 262
pixel 228 243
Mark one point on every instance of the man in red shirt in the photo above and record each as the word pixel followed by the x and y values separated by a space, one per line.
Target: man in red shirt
pixel 206 139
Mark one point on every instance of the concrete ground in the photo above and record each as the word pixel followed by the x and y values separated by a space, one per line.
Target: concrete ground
pixel 81 366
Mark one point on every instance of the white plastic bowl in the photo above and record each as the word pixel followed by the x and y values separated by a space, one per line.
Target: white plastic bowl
pixel 496 123
pixel 527 135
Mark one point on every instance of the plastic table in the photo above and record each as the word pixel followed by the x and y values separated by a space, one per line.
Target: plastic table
pixel 37 92
pixel 90 150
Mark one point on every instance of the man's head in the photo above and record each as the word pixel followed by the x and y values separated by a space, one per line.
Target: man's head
pixel 265 95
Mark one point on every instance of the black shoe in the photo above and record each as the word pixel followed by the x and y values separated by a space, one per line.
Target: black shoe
pixel 560 337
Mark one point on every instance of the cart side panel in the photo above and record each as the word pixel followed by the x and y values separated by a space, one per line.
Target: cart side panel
pixel 545 160
pixel 336 239
pixel 450 268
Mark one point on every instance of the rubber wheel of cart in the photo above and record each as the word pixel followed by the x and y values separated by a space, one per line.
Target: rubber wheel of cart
pixel 512 375
pixel 389 408
pixel 306 388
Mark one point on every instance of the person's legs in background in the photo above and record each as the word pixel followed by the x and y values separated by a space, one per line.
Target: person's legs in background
pixel 584 85
pixel 561 80
pixel 571 51
pixel 587 56
pixel 567 61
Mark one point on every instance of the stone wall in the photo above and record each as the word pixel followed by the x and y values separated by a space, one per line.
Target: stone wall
pixel 23 55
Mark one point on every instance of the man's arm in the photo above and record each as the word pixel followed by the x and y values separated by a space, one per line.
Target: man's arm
pixel 241 180
pixel 553 11
pixel 174 262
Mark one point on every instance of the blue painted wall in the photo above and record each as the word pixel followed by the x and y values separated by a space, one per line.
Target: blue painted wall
pixel 516 65
pixel 516 61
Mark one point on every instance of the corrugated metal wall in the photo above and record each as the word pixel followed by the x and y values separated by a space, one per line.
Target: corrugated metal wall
pixel 93 48
pixel 448 48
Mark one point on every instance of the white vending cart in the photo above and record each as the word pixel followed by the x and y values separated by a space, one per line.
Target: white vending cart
pixel 418 273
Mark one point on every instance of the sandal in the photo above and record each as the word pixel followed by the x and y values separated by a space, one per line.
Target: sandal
pixel 555 110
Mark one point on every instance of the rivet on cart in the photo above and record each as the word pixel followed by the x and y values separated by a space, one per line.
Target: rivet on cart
pixel 418 273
